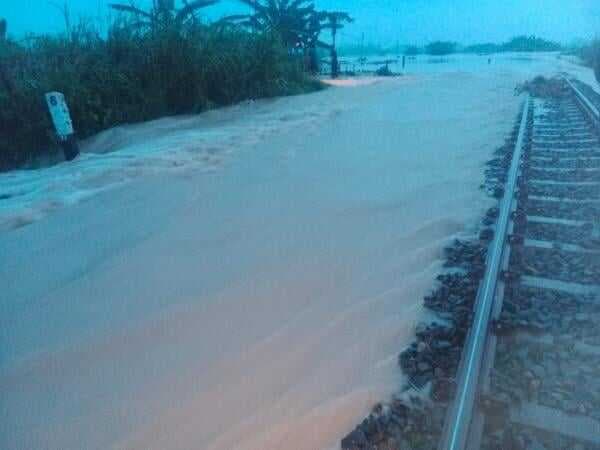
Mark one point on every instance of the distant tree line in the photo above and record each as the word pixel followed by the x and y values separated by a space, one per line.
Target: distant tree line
pixel 412 50
pixel 350 49
pixel 442 48
pixel 164 60
pixel 516 44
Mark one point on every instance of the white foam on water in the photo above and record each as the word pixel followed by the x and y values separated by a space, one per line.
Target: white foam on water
pixel 117 156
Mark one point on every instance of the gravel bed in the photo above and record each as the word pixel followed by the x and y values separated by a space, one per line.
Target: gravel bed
pixel 565 132
pixel 566 175
pixel 497 168
pixel 553 375
pixel 561 163
pixel 589 92
pixel 571 146
pixel 434 358
pixel 557 264
pixel 517 437
pixel 573 121
pixel 568 234
pixel 429 363
pixel 465 255
pixel 540 357
pixel 590 192
pixel 564 210
pixel 569 153
pixel 453 300
pixel 560 127
pixel 401 424
pixel 558 314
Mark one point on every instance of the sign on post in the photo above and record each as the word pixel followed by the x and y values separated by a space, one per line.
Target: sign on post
pixel 61 118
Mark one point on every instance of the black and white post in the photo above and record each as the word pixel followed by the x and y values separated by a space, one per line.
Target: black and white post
pixel 59 111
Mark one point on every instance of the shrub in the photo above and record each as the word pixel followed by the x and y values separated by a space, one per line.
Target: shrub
pixel 591 57
pixel 486 48
pixel 542 87
pixel 412 50
pixel 441 48
pixel 385 71
pixel 129 76
pixel 516 44
pixel 530 44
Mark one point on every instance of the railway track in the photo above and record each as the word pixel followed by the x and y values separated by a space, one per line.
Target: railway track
pixel 529 376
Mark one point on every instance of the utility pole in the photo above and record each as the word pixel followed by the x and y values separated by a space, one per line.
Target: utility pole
pixel 362 52
pixel 362 45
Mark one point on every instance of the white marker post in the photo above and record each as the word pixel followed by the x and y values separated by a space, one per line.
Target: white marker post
pixel 59 111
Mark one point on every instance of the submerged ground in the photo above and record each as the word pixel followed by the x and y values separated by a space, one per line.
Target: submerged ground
pixel 243 279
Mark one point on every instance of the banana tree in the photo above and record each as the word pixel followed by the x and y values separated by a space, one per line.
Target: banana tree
pixel 312 41
pixel 335 21
pixel 163 13
pixel 289 19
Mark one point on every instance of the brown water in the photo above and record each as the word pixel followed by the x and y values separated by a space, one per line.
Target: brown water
pixel 260 305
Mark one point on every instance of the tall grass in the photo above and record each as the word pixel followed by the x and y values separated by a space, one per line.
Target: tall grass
pixel 129 76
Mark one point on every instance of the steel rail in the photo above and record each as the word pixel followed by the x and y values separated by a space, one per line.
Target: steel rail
pixel 583 100
pixel 460 413
pixel 587 106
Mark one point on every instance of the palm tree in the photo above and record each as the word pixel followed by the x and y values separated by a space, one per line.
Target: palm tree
pixel 290 19
pixel 163 13
pixel 335 20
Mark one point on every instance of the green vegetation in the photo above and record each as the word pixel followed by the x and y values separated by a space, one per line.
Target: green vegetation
pixel 483 48
pixel 292 21
pixel 412 50
pixel 516 44
pixel 590 54
pixel 530 44
pixel 164 14
pixel 441 48
pixel 152 63
pixel 299 24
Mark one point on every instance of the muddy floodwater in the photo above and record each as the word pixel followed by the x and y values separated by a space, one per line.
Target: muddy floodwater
pixel 246 278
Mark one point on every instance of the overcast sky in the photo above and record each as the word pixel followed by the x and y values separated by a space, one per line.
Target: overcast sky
pixel 386 21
